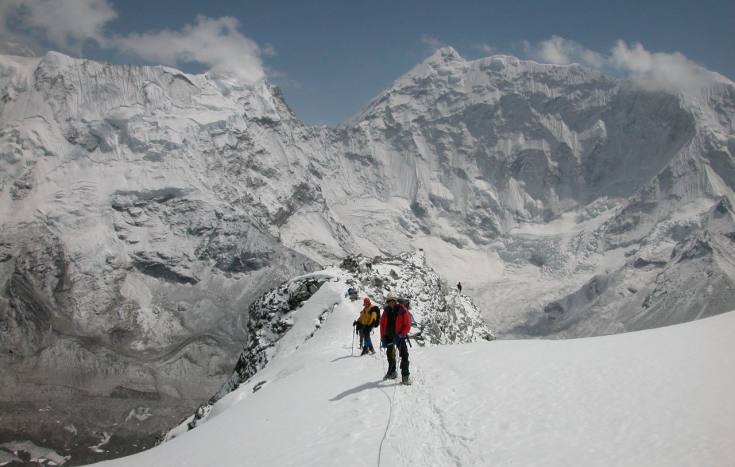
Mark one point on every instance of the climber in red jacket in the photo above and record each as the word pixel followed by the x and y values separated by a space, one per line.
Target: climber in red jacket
pixel 395 323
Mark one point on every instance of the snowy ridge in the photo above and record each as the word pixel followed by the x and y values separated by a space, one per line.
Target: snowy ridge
pixel 270 318
pixel 440 316
pixel 633 399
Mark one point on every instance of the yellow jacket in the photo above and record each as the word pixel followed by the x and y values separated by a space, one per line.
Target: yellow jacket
pixel 367 317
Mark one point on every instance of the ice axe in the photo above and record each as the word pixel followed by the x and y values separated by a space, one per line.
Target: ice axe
pixel 352 349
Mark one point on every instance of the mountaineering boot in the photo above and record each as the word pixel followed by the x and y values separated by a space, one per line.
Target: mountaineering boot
pixel 391 375
pixel 364 351
pixel 405 379
pixel 372 351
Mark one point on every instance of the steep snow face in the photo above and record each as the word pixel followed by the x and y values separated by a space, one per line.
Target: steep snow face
pixel 131 169
pixel 560 179
pixel 139 212
pixel 491 143
pixel 632 399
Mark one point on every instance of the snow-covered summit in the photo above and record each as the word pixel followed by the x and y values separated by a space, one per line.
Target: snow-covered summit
pixel 445 78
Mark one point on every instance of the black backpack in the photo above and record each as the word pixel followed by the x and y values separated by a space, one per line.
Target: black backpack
pixel 376 309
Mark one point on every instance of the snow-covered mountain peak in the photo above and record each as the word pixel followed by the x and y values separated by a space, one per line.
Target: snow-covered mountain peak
pixel 89 90
pixel 522 157
pixel 444 56
pixel 440 63
pixel 446 84
pixel 56 60
pixel 151 195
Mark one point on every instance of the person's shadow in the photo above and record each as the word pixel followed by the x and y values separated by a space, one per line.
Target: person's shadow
pixel 346 356
pixel 360 388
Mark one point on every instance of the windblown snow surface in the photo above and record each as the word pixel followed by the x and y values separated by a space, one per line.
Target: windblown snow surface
pixel 656 397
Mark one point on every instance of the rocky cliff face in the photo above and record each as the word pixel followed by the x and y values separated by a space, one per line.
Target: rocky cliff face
pixel 143 210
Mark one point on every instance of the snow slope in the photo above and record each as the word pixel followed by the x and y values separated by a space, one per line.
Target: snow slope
pixel 657 397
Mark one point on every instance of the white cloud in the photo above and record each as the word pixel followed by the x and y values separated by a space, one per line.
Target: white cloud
pixel 562 51
pixel 282 80
pixel 268 50
pixel 432 42
pixel 671 72
pixel 486 49
pixel 660 71
pixel 66 27
pixel 215 42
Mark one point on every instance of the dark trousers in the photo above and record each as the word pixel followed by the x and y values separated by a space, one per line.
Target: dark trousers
pixel 365 341
pixel 403 352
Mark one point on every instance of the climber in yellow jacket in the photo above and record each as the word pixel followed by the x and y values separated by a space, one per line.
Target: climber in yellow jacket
pixel 369 318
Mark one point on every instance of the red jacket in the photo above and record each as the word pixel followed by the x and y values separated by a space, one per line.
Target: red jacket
pixel 402 322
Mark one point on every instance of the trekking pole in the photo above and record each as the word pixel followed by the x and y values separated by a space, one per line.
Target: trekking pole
pixel 352 349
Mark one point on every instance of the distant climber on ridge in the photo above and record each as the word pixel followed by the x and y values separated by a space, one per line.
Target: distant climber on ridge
pixel 367 320
pixel 459 287
pixel 395 323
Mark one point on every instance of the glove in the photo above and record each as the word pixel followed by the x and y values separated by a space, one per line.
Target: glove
pixel 384 342
pixel 399 340
pixel 354 323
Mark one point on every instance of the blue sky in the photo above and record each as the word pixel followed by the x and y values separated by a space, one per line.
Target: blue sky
pixel 331 57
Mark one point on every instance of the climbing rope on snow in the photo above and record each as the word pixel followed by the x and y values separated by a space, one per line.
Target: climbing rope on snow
pixel 393 401
pixel 390 420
